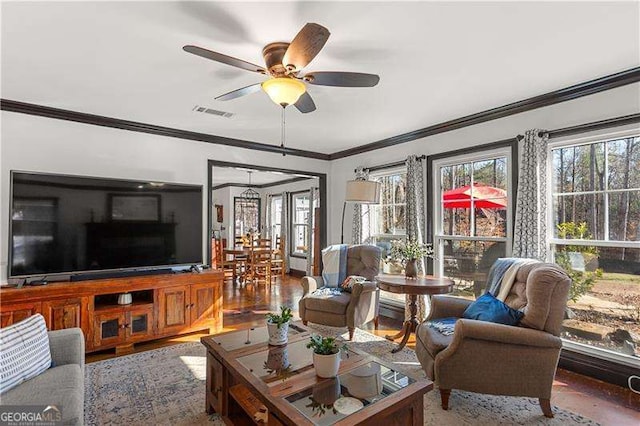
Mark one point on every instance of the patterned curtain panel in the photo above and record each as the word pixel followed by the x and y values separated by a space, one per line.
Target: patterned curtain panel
pixel 530 228
pixel 267 218
pixel 415 223
pixel 360 228
pixel 284 229
pixel 314 195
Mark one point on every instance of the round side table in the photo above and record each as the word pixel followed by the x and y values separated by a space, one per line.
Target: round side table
pixel 413 287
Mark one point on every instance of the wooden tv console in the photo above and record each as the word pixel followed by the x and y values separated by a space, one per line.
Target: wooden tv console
pixel 163 305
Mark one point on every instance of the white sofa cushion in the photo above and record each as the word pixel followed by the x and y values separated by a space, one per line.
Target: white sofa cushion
pixel 24 351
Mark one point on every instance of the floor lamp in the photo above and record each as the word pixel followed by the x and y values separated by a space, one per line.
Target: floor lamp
pixel 362 192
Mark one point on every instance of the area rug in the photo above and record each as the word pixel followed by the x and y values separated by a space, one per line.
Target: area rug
pixel 166 387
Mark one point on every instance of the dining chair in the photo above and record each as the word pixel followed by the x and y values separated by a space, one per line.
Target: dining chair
pixel 278 265
pixel 259 269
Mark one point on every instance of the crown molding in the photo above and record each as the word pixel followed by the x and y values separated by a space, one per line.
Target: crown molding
pixel 590 87
pixel 134 126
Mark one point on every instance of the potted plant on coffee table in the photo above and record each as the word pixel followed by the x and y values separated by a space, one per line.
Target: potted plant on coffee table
pixel 278 326
pixel 326 355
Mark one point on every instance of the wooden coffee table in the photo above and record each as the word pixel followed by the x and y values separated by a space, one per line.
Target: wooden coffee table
pixel 425 285
pixel 250 382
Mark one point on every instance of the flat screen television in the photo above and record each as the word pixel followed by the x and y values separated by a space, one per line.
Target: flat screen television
pixel 69 224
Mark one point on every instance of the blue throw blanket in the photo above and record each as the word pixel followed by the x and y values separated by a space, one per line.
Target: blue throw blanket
pixel 334 260
pixel 444 326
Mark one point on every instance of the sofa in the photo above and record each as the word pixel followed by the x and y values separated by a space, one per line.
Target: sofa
pixel 349 310
pixel 62 385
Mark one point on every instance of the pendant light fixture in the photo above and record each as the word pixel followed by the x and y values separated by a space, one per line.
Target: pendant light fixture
pixel 247 198
pixel 284 91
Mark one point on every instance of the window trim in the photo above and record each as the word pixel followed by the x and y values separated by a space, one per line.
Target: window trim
pixel 292 209
pixel 485 154
pixel 602 357
pixel 271 225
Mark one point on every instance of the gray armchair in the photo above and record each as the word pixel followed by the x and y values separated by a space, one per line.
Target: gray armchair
pixel 349 310
pixel 500 359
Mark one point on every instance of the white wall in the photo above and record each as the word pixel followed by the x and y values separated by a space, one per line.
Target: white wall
pixel 225 197
pixel 31 143
pixel 613 103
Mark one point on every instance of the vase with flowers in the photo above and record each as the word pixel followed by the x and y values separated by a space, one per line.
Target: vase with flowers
pixel 409 252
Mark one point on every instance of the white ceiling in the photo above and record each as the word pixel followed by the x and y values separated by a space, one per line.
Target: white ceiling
pixel 239 175
pixel 437 61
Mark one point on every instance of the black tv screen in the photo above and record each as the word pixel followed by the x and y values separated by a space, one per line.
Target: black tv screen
pixel 67 224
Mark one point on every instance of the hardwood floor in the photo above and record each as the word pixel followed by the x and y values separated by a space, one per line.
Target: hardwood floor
pixel 244 307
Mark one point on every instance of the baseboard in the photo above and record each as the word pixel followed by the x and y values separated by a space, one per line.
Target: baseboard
pixel 598 368
pixel 391 311
pixel 297 273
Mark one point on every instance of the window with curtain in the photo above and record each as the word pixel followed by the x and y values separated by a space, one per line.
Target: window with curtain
pixel 594 235
pixel 276 216
pixel 472 217
pixel 299 224
pixel 246 215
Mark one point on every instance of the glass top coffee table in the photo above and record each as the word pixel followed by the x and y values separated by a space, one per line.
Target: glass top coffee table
pixel 278 384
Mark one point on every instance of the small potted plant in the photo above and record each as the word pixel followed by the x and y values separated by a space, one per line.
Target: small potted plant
pixel 278 326
pixel 410 252
pixel 326 355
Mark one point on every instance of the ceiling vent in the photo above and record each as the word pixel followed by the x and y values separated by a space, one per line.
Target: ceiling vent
pixel 206 110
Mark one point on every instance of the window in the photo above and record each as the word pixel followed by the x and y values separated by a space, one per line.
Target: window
pixel 472 217
pixel 299 223
pixel 388 218
pixel 246 215
pixel 594 235
pixel 276 216
pixel 387 221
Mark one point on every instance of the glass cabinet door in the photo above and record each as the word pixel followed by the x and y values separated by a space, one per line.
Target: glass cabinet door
pixel 140 323
pixel 109 328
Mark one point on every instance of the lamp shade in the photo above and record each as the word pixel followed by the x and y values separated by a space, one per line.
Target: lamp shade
pixel 363 191
pixel 284 90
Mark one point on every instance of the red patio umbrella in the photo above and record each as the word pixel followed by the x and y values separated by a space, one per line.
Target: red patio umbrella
pixel 484 197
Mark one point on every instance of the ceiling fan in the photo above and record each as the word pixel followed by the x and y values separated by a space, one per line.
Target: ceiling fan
pixel 285 63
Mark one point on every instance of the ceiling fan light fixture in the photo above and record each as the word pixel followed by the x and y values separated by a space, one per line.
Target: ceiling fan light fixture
pixel 284 90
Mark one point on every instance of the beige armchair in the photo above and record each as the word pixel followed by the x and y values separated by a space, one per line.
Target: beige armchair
pixel 349 310
pixel 499 359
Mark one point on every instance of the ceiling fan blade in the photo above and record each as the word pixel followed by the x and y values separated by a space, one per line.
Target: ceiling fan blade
pixel 305 103
pixel 247 90
pixel 341 79
pixel 305 46
pixel 219 57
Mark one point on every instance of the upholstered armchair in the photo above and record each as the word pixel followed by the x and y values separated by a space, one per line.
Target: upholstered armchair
pixel 498 359
pixel 344 309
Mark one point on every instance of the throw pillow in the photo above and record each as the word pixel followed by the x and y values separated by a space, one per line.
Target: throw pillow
pixel 25 351
pixel 350 281
pixel 488 308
